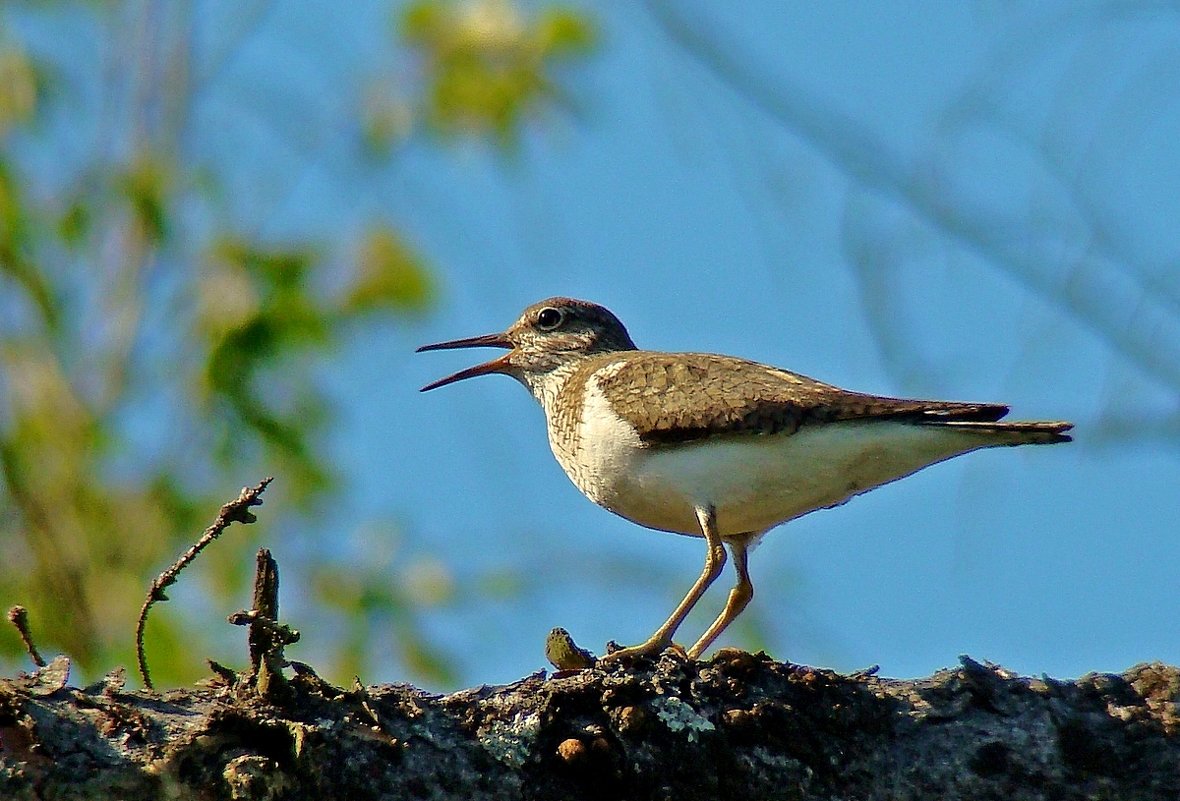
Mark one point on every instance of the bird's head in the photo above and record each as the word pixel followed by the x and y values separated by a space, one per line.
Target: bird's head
pixel 547 336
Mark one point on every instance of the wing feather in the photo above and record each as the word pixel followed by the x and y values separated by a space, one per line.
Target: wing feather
pixel 673 398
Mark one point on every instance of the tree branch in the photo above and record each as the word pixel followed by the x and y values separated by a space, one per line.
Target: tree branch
pixel 738 726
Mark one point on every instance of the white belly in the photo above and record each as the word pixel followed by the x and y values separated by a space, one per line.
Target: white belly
pixel 754 482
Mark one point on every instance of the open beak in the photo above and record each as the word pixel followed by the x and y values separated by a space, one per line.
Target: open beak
pixel 498 365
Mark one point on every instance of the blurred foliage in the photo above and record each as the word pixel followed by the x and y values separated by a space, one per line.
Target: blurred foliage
pixel 488 66
pixel 157 352
pixel 389 273
pixel 19 87
pixel 391 606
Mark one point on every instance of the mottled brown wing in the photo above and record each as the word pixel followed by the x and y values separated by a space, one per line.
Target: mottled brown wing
pixel 681 397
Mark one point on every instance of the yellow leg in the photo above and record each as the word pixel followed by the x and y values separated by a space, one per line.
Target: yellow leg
pixel 739 596
pixel 714 562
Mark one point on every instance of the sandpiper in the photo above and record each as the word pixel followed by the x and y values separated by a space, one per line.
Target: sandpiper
pixel 717 446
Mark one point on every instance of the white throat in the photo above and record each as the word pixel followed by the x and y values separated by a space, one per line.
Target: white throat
pixel 545 386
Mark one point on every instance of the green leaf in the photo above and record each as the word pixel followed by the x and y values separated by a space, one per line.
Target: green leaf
pixel 19 88
pixel 389 275
pixel 561 31
pixel 487 66
pixel 74 224
pixel 144 184
pixel 16 246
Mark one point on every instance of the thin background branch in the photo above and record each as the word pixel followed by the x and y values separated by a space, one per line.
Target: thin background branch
pixel 1095 289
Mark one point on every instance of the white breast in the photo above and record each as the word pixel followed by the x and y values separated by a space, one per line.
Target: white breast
pixel 602 462
pixel 754 482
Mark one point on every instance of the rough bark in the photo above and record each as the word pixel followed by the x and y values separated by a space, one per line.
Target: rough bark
pixel 738 726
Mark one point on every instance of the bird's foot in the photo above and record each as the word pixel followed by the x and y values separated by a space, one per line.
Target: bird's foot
pixel 653 647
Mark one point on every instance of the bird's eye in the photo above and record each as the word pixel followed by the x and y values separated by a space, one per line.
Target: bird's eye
pixel 549 318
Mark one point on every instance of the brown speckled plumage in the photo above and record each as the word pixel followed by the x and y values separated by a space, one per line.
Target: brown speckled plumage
pixel 681 397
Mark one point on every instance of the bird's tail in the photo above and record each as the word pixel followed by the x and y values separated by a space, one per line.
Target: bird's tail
pixel 1046 432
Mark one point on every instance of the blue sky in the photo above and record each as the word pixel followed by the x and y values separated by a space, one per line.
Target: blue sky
pixel 708 224
pixel 967 201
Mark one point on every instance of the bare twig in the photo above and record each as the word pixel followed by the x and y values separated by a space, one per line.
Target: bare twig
pixel 267 635
pixel 266 605
pixel 19 616
pixel 271 629
pixel 236 511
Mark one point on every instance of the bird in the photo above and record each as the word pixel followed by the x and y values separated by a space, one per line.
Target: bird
pixel 714 446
